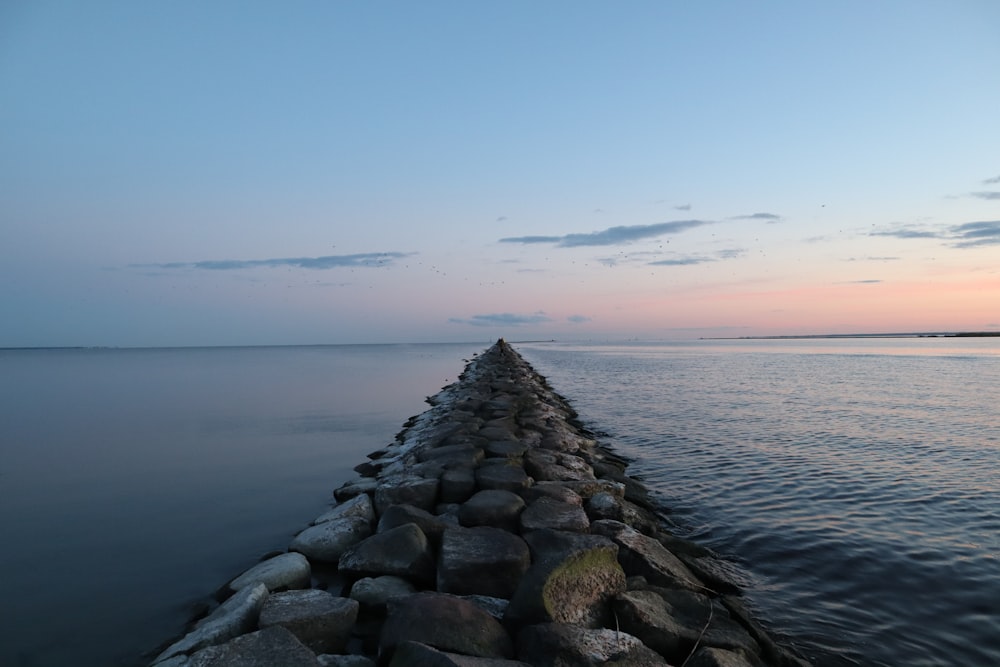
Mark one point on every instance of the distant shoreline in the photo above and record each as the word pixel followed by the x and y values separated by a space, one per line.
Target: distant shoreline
pixel 943 334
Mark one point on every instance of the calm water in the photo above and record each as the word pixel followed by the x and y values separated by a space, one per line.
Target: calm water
pixel 856 482
pixel 133 483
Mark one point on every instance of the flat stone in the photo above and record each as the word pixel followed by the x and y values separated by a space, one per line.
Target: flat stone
pixel 571 580
pixel 403 552
pixel 505 449
pixel 507 477
pixel 328 540
pixel 551 513
pixel 492 507
pixel 232 618
pixel 447 623
pixel 481 561
pixel 359 506
pixel 560 644
pixel 320 620
pixel 418 492
pixel 288 570
pixel 264 648
pixel 642 555
pixel 555 490
pixel 374 592
pixel 414 654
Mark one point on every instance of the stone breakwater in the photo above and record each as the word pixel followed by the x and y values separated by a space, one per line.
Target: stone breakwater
pixel 494 532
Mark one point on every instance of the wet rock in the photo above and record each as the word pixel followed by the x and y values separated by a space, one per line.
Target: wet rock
pixel 717 657
pixel 403 552
pixel 413 654
pixel 496 508
pixel 505 449
pixel 397 515
pixel 481 561
pixel 373 592
pixel 447 623
pixel 645 556
pixel 328 540
pixel 318 619
pixel 505 477
pixel 572 580
pixel 559 645
pixel 330 660
pixel 555 490
pixel 359 506
pixel 551 513
pixel 264 648
pixel 232 618
pixel 457 486
pixel 355 488
pixel 289 570
pixel 418 492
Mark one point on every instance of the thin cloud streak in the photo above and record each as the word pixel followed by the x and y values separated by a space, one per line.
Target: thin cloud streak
pixel 975 234
pixel 986 194
pixel 613 235
pixel 769 217
pixel 992 181
pixel 502 319
pixel 366 260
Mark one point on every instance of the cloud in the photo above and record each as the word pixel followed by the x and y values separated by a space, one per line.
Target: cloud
pixel 683 207
pixel 366 259
pixel 986 195
pixel 862 282
pixel 690 260
pixel 992 181
pixel 769 217
pixel 578 319
pixel 872 259
pixel 974 234
pixel 612 235
pixel 502 319
pixel 907 232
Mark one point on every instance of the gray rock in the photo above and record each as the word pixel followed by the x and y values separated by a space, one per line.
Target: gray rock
pixel 481 561
pixel 264 648
pixel 328 660
pixel 359 506
pixel 572 580
pixel 645 556
pixel 398 515
pixel 551 513
pixel 354 488
pixel 289 570
pixel 373 592
pixel 588 488
pixel 413 654
pixel 492 508
pixel 505 449
pixel 328 540
pixel 463 455
pixel 232 618
pixel 717 657
pixel 418 492
pixel 320 620
pixel 447 623
pixel 495 607
pixel 457 486
pixel 506 477
pixel 555 490
pixel 403 551
pixel 557 644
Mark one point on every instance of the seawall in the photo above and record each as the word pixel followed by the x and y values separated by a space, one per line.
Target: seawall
pixel 494 532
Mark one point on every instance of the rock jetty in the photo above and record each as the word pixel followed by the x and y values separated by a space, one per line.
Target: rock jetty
pixel 494 532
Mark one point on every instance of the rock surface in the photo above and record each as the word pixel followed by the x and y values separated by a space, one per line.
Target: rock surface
pixel 541 548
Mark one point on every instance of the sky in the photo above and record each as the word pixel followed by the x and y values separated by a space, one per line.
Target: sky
pixel 255 173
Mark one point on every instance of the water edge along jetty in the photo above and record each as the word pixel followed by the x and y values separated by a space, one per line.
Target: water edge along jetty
pixel 494 532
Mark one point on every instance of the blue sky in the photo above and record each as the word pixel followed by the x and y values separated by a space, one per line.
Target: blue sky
pixel 253 173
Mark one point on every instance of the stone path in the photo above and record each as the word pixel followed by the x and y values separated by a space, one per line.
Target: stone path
pixel 493 533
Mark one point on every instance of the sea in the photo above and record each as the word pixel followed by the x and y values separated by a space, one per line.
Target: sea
pixel 852 484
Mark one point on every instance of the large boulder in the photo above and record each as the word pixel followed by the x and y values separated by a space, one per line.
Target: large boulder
pixel 502 475
pixel 328 540
pixel 643 555
pixel 413 654
pixel 288 570
pixel 320 620
pixel 397 515
pixel 554 514
pixel 264 648
pixel 373 592
pixel 232 618
pixel 359 506
pixel 402 551
pixel 559 645
pixel 417 491
pixel 572 580
pixel 447 623
pixel 481 561
pixel 492 507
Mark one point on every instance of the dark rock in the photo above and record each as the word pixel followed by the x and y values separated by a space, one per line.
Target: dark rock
pixel 492 508
pixel 288 570
pixel 716 657
pixel 318 619
pixel 413 654
pixel 507 477
pixel 355 488
pixel 457 486
pixel 464 454
pixel 373 592
pixel 328 540
pixel 560 645
pixel 264 648
pixel 418 492
pixel 403 552
pixel 481 561
pixel 642 555
pixel 445 622
pixel 398 515
pixel 555 490
pixel 232 618
pixel 505 449
pixel 550 513
pixel 359 506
